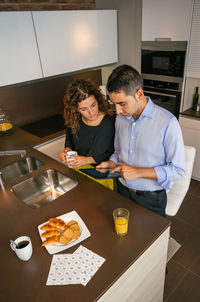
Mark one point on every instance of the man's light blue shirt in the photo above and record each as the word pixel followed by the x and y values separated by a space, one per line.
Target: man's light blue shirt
pixel 152 141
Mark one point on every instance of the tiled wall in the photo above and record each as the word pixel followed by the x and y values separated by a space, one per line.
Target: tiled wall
pixel 26 5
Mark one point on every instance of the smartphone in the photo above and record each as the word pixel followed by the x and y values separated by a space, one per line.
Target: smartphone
pixel 100 175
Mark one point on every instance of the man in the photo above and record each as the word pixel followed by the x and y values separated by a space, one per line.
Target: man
pixel 149 149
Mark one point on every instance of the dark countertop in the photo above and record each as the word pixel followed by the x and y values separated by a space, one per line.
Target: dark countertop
pixel 26 281
pixel 191 113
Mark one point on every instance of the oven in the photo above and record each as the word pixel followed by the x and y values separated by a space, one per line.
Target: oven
pixel 162 72
pixel 163 58
pixel 166 94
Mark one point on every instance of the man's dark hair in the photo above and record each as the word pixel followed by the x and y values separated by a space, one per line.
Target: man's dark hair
pixel 124 78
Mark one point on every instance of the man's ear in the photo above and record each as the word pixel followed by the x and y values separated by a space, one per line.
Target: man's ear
pixel 139 94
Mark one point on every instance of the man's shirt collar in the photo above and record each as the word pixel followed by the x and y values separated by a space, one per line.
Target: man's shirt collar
pixel 148 110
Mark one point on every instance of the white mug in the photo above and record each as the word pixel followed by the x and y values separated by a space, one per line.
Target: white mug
pixel 22 246
pixel 70 157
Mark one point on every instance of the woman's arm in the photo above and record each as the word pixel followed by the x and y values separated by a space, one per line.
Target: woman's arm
pixel 68 146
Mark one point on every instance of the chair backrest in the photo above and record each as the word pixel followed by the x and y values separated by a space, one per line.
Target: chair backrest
pixel 176 195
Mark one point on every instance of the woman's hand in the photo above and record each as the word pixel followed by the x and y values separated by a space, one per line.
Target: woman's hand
pixel 105 165
pixel 81 161
pixel 62 155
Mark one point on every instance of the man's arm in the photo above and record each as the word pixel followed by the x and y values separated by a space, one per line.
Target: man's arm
pixel 174 168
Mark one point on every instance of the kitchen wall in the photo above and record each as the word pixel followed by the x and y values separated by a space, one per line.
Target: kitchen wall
pixel 22 5
pixel 39 99
pixel 129 32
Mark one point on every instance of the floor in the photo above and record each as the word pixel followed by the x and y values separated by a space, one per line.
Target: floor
pixel 183 279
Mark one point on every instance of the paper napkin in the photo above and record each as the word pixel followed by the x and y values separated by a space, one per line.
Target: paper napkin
pixel 76 268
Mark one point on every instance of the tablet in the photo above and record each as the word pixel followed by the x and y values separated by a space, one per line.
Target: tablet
pixel 100 175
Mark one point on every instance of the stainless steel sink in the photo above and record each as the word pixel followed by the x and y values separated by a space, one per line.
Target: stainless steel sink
pixel 20 168
pixel 43 188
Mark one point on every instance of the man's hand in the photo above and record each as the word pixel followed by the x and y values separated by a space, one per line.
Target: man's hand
pixel 129 172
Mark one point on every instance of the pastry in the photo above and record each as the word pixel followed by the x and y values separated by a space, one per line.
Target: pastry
pixel 72 222
pixel 68 233
pixel 49 234
pixel 64 240
pixel 51 240
pixel 76 231
pixel 56 219
pixel 47 227
pixel 76 234
pixel 75 227
pixel 58 225
pixel 58 231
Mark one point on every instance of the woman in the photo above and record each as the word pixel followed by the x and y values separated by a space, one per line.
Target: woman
pixel 90 124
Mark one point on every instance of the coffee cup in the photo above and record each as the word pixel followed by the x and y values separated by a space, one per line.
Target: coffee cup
pixel 22 247
pixel 70 158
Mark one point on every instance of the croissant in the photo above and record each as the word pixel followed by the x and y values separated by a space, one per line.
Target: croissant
pixel 51 240
pixel 49 234
pixel 58 225
pixel 47 227
pixel 55 219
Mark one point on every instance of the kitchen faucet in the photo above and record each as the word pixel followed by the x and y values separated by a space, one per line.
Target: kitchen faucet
pixel 2 183
pixel 9 152
pixel 13 152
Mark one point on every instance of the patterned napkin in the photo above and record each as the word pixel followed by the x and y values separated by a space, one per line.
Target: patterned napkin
pixel 76 268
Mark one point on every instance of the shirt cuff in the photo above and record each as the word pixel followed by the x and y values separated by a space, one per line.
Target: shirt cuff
pixel 114 158
pixel 162 178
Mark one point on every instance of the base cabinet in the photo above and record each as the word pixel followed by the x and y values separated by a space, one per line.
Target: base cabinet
pixel 144 280
pixel 191 136
pixel 53 148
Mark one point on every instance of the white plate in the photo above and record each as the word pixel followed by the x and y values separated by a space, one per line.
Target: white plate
pixel 55 248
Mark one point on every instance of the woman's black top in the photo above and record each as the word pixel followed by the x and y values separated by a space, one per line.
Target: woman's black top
pixel 96 141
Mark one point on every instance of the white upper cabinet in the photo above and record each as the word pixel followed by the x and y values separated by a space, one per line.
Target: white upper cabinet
pixel 193 57
pixel 19 58
pixel 74 40
pixel 166 19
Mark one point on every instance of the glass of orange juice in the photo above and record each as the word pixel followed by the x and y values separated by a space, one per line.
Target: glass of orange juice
pixel 121 218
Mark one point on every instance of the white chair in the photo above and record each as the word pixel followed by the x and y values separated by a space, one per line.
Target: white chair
pixel 176 195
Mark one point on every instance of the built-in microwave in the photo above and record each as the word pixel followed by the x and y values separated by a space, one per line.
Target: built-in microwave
pixel 165 58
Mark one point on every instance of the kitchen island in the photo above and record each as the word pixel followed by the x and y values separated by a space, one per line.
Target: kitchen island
pixel 134 269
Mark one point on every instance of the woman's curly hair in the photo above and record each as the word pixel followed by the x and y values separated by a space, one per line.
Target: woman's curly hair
pixel 78 91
